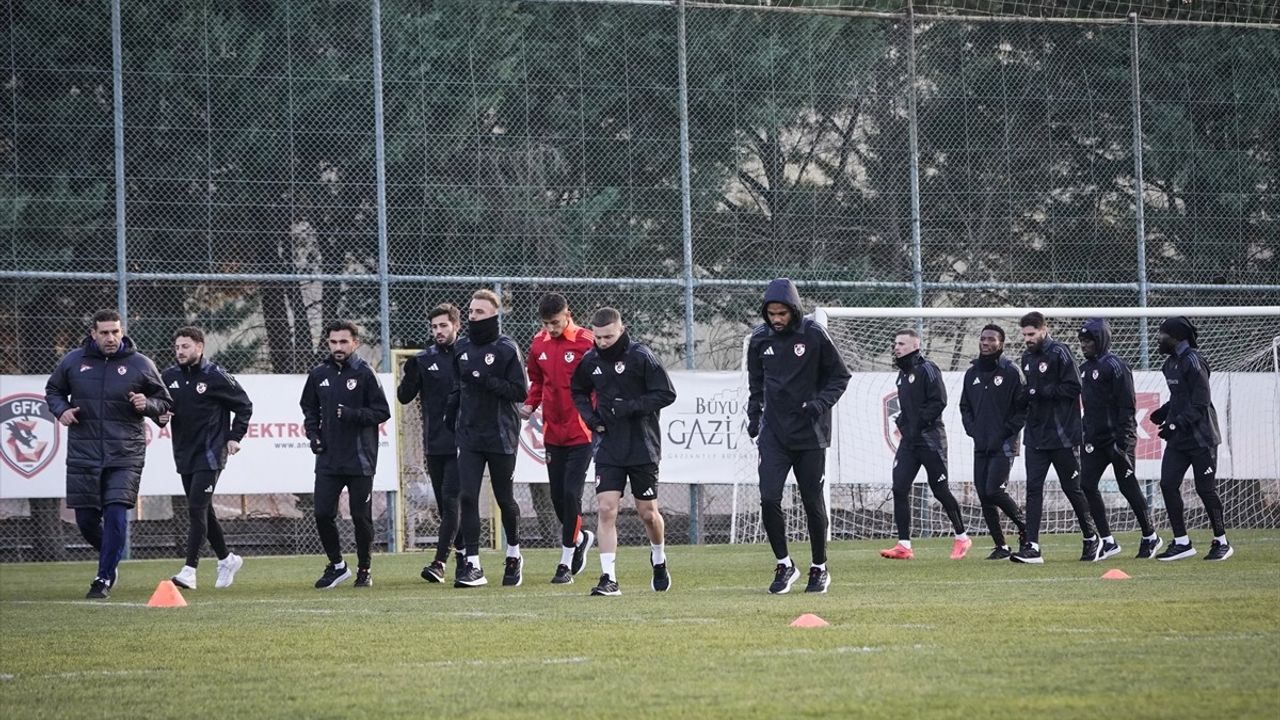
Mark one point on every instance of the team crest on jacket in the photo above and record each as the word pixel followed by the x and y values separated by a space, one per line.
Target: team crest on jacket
pixel 31 433
pixel 998 380
pixel 619 367
pixel 1095 373
pixel 1044 366
pixel 798 348
pixel 85 366
pixel 201 388
pixel 911 378
pixel 122 370
pixel 351 383
pixel 1088 448
pixel 569 356
pixel 488 358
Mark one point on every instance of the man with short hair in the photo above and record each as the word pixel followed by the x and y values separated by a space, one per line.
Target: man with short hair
pixel 101 392
pixel 1053 430
pixel 429 377
pixel 204 399
pixel 795 376
pixel 554 354
pixel 484 409
pixel 1189 426
pixel 630 388
pixel 343 405
pixel 1110 436
pixel 993 415
pixel 922 396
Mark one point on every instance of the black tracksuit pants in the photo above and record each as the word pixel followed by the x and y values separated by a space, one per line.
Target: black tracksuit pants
pixel 359 500
pixel 1067 466
pixel 443 470
pixel 810 468
pixel 204 522
pixel 502 468
pixel 1173 468
pixel 1093 464
pixel 567 474
pixel 906 465
pixel 991 480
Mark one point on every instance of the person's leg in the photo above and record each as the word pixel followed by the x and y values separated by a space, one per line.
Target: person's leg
pixel 217 541
pixel 644 482
pixel 1204 463
pixel 906 465
pixel 360 502
pixel 443 470
pixel 612 481
pixel 199 490
pixel 935 468
pixel 89 521
pixel 577 459
pixel 998 467
pixel 470 475
pixel 1037 462
pixel 1093 462
pixel 810 471
pixel 990 514
pixel 556 466
pixel 115 532
pixel 1123 461
pixel 327 489
pixel 773 465
pixel 1066 463
pixel 502 470
pixel 1173 467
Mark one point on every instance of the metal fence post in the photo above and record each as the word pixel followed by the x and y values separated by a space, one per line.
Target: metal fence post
pixel 384 290
pixel 686 233
pixel 117 121
pixel 1139 202
pixel 913 161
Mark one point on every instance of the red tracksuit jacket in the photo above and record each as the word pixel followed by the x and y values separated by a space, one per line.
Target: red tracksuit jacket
pixel 551 364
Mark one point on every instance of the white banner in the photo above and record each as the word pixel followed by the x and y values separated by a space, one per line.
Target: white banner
pixel 275 456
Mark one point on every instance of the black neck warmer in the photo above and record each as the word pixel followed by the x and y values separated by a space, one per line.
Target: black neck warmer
pixel 615 351
pixel 483 332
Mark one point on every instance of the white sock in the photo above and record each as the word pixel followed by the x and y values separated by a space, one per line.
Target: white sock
pixel 577 539
pixel 606 564
pixel 1004 547
pixel 962 536
pixel 658 553
pixel 566 556
pixel 1220 538
pixel 1152 536
pixel 1182 540
pixel 513 551
pixel 340 565
pixel 1091 538
pixel 474 560
pixel 905 543
pixel 785 561
pixel 1109 539
pixel 820 566
pixel 1035 545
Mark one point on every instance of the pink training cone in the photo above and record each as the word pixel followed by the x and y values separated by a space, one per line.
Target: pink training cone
pixel 1115 574
pixel 809 620
pixel 166 595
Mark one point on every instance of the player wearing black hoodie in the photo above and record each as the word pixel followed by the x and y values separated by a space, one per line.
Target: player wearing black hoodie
pixel 484 410
pixel 1052 434
pixel 795 376
pixel 1110 436
pixel 1189 426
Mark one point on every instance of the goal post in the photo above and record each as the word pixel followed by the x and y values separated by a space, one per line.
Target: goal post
pixel 1241 345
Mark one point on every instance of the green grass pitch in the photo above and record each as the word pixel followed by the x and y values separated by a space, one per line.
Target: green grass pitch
pixel 925 638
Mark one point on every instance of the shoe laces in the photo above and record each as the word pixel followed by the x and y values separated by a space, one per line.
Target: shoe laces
pixel 815 573
pixel 513 564
pixel 781 571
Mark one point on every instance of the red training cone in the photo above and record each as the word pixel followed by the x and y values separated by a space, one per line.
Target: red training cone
pixel 1115 574
pixel 809 620
pixel 166 595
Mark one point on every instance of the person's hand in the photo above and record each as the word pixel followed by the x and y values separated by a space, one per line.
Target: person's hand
pixel 753 428
pixel 317 445
pixel 1166 431
pixel 597 424
pixel 164 418
pixel 139 401
pixel 411 369
pixel 812 409
pixel 1159 415
pixel 233 447
pixel 68 417
pixel 470 378
pixel 526 412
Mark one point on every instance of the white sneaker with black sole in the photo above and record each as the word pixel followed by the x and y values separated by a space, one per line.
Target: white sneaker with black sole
pixel 227 569
pixel 186 578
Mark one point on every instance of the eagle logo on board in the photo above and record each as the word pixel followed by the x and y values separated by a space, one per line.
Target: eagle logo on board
pixel 488 358
pixel 798 348
pixel 351 383
pixel 31 433
pixel 201 388
pixel 619 367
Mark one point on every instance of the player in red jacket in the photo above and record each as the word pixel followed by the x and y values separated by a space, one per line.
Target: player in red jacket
pixel 553 356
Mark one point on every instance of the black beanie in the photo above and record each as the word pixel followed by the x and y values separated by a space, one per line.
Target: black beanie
pixel 1180 328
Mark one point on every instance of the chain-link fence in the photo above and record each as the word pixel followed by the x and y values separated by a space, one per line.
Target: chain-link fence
pixel 258 167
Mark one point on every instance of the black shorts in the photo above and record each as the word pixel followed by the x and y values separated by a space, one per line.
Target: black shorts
pixel 644 480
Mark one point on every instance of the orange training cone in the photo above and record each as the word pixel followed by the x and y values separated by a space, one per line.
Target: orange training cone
pixel 166 595
pixel 1115 574
pixel 809 620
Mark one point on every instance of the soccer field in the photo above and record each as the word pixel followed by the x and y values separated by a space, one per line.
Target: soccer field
pixel 930 637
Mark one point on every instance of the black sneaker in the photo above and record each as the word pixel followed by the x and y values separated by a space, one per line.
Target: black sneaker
pixel 98 589
pixel 784 576
pixel 661 578
pixel 459 565
pixel 819 580
pixel 1092 550
pixel 606 587
pixel 580 551
pixel 1000 553
pixel 1219 551
pixel 434 573
pixel 1028 554
pixel 563 576
pixel 471 576
pixel 1147 549
pixel 511 574
pixel 1177 551
pixel 332 576
pixel 364 578
pixel 1109 549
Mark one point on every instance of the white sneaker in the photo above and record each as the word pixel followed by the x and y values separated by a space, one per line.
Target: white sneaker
pixel 186 578
pixel 227 568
